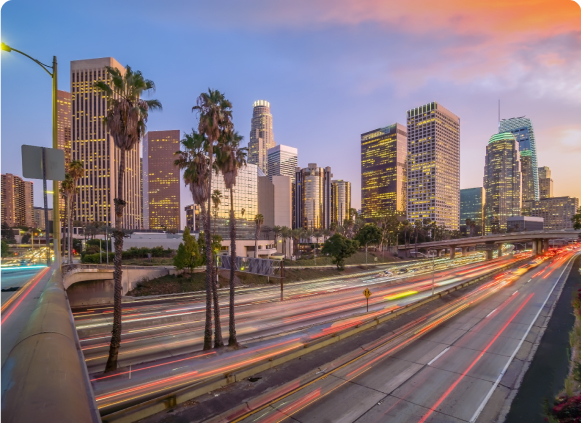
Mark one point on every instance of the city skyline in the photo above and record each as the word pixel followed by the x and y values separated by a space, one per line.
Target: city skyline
pixel 354 96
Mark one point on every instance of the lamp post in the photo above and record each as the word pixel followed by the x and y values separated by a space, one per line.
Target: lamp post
pixel 55 196
pixel 433 264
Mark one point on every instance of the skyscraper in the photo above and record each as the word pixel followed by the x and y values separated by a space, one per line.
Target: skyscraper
pixel 522 129
pixel 312 197
pixel 545 183
pixel 64 136
pixel 502 181
pixel 383 170
pixel 161 180
pixel 557 212
pixel 472 201
pixel 282 161
pixel 93 145
pixel 340 201
pixel 17 201
pixel 261 137
pixel 433 168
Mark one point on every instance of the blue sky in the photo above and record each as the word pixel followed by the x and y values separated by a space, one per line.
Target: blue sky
pixel 331 70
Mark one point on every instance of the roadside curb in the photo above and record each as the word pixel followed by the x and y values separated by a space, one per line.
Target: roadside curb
pixel 187 393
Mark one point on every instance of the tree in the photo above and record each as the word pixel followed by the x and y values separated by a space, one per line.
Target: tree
pixel 368 234
pixel 285 234
pixel 188 255
pixel 258 221
pixel 339 248
pixel 67 190
pixel 76 172
pixel 576 219
pixel 5 249
pixel 215 120
pixel 126 119
pixel 296 236
pixel 230 158
pixel 193 160
pixel 217 200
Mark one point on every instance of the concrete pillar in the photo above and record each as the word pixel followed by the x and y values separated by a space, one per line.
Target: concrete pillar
pixel 500 250
pixel 535 247
pixel 465 251
pixel 452 252
pixel 488 254
pixel 545 245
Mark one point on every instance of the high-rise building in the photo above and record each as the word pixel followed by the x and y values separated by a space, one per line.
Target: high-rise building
pixel 472 202
pixel 340 201
pixel 433 168
pixel 282 161
pixel 17 201
pixel 39 217
pixel 193 217
pixel 64 136
pixel 502 181
pixel 312 197
pixel 557 212
pixel 161 180
pixel 522 129
pixel 261 137
pixel 92 144
pixel 383 170
pixel 545 183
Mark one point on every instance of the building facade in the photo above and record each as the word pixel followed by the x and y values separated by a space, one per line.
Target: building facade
pixel 17 201
pixel 92 144
pixel 502 181
pixel 161 180
pixel 261 136
pixel 282 161
pixel 472 202
pixel 557 212
pixel 545 183
pixel 522 129
pixel 340 201
pixel 524 223
pixel 383 170
pixel 312 197
pixel 39 221
pixel 433 167
pixel 193 217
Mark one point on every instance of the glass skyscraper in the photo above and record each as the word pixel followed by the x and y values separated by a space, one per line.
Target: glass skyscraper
pixel 545 183
pixel 261 136
pixel 472 207
pixel 282 161
pixel 340 201
pixel 522 129
pixel 383 170
pixel 502 181
pixel 312 197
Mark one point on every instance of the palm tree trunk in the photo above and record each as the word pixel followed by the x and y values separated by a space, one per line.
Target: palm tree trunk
pixel 70 232
pixel 232 341
pixel 208 325
pixel 65 229
pixel 118 272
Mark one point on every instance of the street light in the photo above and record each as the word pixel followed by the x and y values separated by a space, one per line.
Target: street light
pixel 55 197
pixel 433 264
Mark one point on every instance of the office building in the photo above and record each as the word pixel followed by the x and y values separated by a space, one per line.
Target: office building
pixel 524 223
pixel 92 144
pixel 340 201
pixel 502 181
pixel 39 221
pixel 557 212
pixel 282 161
pixel 17 201
pixel 261 137
pixel 522 129
pixel 193 217
pixel 312 197
pixel 383 170
pixel 64 136
pixel 472 202
pixel 161 181
pixel 545 183
pixel 433 168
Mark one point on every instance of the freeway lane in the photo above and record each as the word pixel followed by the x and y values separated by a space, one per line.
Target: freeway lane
pixel 136 383
pixel 166 330
pixel 446 375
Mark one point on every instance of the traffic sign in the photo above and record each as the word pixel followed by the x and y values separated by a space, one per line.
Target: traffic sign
pixel 367 293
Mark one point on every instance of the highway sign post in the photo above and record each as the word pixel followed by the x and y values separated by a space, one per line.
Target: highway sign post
pixel 367 294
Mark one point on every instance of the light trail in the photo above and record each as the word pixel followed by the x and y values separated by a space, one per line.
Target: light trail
pixel 31 284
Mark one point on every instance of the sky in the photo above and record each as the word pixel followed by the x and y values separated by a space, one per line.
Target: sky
pixel 331 70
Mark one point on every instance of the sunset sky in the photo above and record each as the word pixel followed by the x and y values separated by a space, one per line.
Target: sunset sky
pixel 331 69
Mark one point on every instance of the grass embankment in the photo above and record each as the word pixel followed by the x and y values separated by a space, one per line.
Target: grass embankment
pixel 154 261
pixel 357 258
pixel 196 282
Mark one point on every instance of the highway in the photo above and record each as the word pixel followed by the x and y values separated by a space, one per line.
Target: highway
pixel 158 331
pixel 443 367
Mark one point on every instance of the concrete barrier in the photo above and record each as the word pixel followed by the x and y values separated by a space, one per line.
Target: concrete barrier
pixel 44 378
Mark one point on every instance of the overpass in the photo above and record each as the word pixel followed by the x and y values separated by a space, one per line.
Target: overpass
pixel 489 243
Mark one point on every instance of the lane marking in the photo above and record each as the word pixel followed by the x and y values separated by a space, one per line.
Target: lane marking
pixel 492 311
pixel 498 379
pixel 438 356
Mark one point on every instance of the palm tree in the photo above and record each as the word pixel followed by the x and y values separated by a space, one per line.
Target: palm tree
pixel 296 236
pixel 258 220
pixel 214 122
pixel 126 119
pixel 217 200
pixel 67 190
pixel 276 231
pixel 76 171
pixel 194 161
pixel 231 158
pixel 285 233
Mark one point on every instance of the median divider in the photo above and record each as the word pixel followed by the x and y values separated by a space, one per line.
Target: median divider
pixel 168 401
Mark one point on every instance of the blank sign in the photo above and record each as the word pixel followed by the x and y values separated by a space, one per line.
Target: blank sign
pixel 32 163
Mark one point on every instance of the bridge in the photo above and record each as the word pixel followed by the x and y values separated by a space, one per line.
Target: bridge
pixel 489 243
